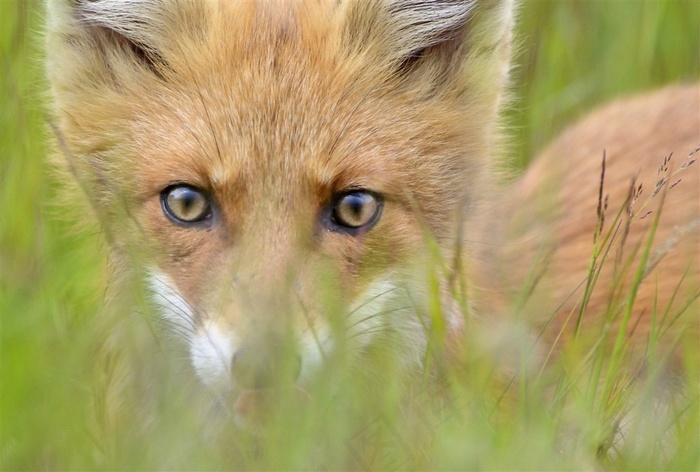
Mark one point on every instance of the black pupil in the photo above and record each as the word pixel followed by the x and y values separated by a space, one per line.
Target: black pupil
pixel 187 198
pixel 187 204
pixel 355 203
pixel 354 210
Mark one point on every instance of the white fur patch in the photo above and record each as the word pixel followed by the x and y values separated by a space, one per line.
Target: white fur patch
pixel 386 307
pixel 174 309
pixel 314 348
pixel 368 314
pixel 211 351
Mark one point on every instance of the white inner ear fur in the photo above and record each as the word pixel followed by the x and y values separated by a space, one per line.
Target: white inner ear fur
pixel 142 21
pixel 421 24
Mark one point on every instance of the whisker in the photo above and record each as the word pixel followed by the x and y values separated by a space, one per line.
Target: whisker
pixel 379 313
pixel 183 314
pixel 371 299
pixel 314 334
pixel 367 332
pixel 174 327
pixel 173 307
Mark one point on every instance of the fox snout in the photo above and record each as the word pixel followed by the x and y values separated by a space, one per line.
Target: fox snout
pixel 253 328
pixel 242 336
pixel 263 317
pixel 272 326
pixel 258 366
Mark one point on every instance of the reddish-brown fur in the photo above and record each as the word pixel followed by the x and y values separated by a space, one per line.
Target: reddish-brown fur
pixel 551 212
pixel 275 108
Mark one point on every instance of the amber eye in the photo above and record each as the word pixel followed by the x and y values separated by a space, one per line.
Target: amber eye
pixel 185 204
pixel 356 210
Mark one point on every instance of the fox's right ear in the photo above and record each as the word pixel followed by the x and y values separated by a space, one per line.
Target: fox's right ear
pixel 109 41
pixel 100 56
pixel 445 46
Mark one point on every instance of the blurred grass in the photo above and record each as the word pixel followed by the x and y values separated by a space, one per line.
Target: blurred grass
pixel 578 53
pixel 571 56
pixel 47 280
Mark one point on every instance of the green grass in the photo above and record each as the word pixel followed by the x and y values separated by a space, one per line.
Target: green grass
pixel 576 54
pixel 63 403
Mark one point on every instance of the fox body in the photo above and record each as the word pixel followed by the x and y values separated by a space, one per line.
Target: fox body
pixel 291 173
pixel 650 143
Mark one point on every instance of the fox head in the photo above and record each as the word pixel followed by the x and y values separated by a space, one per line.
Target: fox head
pixel 281 170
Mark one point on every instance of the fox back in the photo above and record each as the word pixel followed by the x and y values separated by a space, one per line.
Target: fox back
pixel 602 234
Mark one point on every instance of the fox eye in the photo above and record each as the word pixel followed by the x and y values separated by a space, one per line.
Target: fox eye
pixel 185 205
pixel 356 210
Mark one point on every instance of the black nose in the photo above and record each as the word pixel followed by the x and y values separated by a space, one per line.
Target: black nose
pixel 257 369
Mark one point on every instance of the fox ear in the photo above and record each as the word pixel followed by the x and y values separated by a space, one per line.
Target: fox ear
pixel 454 44
pixel 97 53
pixel 106 40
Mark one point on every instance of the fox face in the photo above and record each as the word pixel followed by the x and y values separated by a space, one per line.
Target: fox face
pixel 280 170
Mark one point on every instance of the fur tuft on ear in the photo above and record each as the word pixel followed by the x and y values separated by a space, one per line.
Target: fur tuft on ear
pixel 142 22
pixel 445 46
pixel 110 37
pixel 420 24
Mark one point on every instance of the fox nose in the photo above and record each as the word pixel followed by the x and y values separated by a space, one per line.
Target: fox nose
pixel 254 369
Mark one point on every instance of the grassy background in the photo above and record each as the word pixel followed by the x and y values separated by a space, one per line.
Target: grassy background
pixel 572 55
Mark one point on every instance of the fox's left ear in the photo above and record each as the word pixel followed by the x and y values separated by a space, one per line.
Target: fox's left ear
pixel 448 46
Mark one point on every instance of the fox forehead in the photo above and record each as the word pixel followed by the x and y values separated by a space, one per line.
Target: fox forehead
pixel 256 102
pixel 264 122
pixel 265 130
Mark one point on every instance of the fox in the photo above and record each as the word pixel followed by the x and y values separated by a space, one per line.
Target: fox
pixel 313 177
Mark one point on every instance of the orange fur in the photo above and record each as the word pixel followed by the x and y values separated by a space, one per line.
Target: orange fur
pixel 551 214
pixel 273 109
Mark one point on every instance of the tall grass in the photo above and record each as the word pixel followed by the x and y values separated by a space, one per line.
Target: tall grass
pixel 66 405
